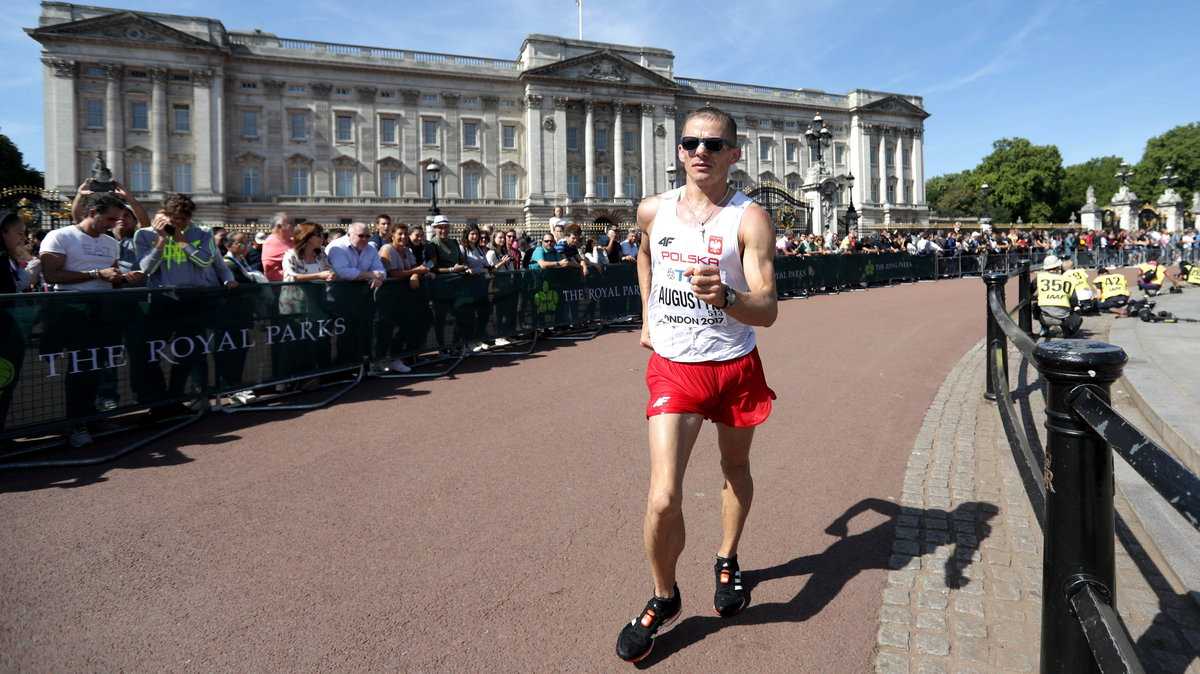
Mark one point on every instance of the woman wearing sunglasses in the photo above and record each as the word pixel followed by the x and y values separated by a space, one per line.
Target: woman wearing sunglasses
pixel 706 271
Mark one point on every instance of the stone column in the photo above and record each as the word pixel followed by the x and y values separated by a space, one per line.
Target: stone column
pixel 918 167
pixel 861 176
pixel 752 162
pixel 1126 204
pixel 491 149
pixel 535 162
pixel 882 169
pixel 204 137
pixel 410 146
pixel 1170 204
pixel 589 150
pixel 618 150
pixel 649 166
pixel 780 155
pixel 323 135
pixel 368 148
pixel 560 149
pixel 61 125
pixel 114 120
pixel 452 148
pixel 160 130
pixel 900 172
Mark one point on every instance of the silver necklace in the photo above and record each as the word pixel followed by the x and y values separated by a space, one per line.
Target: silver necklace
pixel 710 211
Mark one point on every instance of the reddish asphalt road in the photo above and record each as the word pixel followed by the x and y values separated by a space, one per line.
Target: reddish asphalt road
pixel 488 521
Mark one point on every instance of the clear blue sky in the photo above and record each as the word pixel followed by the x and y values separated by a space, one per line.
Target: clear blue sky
pixel 1094 77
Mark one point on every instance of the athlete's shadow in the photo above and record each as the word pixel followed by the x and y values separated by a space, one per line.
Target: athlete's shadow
pixel 829 571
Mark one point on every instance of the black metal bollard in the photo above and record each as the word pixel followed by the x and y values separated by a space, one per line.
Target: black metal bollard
pixel 994 280
pixel 1025 316
pixel 1079 521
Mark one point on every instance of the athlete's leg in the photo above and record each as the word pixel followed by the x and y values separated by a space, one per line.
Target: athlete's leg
pixel 738 491
pixel 672 437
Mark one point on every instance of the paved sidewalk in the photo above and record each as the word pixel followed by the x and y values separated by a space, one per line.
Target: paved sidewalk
pixel 964 593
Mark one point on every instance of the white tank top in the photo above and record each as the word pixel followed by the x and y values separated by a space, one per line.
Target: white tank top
pixel 682 327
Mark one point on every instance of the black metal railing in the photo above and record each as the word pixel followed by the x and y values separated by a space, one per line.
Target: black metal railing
pixel 1072 492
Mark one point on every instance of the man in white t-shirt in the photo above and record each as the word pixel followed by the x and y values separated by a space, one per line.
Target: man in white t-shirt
pixel 78 258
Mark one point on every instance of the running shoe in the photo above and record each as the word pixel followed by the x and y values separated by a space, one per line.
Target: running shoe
pixel 79 436
pixel 637 638
pixel 729 598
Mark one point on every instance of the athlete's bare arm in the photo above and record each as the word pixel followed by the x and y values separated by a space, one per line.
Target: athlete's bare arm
pixel 645 217
pixel 759 306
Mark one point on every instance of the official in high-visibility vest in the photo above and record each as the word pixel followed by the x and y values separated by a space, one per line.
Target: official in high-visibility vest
pixel 1055 298
pixel 1083 289
pixel 1152 275
pixel 1113 290
pixel 1190 272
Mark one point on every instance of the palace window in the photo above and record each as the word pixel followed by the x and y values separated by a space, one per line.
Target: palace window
pixel 389 182
pixel 182 115
pixel 891 193
pixel 602 140
pixel 298 182
pixel 573 185
pixel 508 185
pixel 839 154
pixel 631 186
pixel 139 176
pixel 572 138
pixel 95 113
pixel 251 180
pixel 345 182
pixel 470 134
pixel 344 130
pixel 602 187
pixel 139 116
pixel 387 130
pixel 250 123
pixel 627 137
pixel 764 149
pixel 182 174
pixel 508 137
pixel 298 125
pixel 790 150
pixel 471 182
pixel 429 132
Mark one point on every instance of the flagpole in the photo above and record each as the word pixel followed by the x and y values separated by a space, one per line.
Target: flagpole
pixel 579 4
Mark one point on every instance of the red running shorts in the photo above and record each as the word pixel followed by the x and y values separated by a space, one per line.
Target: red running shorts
pixel 731 392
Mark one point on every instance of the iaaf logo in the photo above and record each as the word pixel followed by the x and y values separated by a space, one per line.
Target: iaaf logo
pixel 689 258
pixel 714 245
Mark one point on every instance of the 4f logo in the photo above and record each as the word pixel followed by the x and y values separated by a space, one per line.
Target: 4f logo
pixel 660 401
pixel 666 241
pixel 714 245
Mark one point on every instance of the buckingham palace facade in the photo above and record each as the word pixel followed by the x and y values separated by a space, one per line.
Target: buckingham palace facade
pixel 250 123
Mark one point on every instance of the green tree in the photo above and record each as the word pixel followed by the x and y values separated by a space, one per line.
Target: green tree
pixel 1099 173
pixel 1026 180
pixel 940 185
pixel 960 202
pixel 1178 148
pixel 13 171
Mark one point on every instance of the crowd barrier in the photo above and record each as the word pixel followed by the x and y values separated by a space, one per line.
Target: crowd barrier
pixel 1070 482
pixel 76 357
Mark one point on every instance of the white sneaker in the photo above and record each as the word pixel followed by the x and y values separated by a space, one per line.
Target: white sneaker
pixel 399 366
pixel 242 397
pixel 479 346
pixel 79 436
pixel 500 341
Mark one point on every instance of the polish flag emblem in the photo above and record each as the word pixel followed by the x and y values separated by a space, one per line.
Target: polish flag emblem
pixel 714 245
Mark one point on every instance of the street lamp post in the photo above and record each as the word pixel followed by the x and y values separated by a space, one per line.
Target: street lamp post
pixel 433 171
pixel 819 137
pixel 1169 178
pixel 851 214
pixel 1124 175
pixel 671 174
pixel 986 221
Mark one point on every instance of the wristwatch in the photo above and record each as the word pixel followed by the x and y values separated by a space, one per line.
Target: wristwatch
pixel 730 297
pixel 94 273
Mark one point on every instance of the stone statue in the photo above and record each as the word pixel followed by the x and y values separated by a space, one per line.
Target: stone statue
pixel 1091 196
pixel 101 179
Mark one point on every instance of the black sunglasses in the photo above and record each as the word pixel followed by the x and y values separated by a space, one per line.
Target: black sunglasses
pixel 716 144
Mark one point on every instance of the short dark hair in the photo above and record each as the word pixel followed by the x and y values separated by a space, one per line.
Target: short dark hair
pixel 711 113
pixel 178 204
pixel 101 202
pixel 385 216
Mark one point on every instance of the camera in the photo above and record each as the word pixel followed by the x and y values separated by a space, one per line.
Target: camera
pixel 100 185
pixel 169 229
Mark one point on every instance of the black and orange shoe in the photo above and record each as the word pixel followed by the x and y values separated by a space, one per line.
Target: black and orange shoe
pixel 637 638
pixel 729 598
